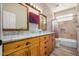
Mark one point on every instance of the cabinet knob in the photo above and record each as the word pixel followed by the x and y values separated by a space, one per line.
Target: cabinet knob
pixel 45 42
pixel 28 43
pixel 44 37
pixel 45 47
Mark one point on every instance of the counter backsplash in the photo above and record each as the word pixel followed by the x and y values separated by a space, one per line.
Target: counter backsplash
pixel 14 32
pixel 32 27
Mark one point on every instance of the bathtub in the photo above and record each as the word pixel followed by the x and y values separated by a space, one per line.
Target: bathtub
pixel 66 42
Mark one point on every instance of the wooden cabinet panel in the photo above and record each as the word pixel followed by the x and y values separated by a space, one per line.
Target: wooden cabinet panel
pixel 13 45
pixel 38 49
pixel 34 49
pixel 34 40
pixel 51 43
pixel 22 52
pixel 42 49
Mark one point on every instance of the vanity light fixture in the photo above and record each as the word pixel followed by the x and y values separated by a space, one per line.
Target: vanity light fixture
pixel 33 6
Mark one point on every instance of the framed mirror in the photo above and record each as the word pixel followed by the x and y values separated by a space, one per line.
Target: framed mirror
pixel 34 15
pixel 43 22
pixel 15 17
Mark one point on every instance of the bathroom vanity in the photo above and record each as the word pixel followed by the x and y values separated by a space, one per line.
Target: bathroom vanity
pixel 30 45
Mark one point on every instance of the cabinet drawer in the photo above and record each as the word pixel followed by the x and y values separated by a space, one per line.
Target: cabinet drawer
pixel 34 40
pixel 13 45
pixel 22 52
pixel 44 38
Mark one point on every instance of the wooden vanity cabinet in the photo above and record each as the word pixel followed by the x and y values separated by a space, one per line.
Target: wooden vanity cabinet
pixel 37 46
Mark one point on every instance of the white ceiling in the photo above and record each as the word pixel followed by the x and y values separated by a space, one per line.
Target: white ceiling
pixel 56 7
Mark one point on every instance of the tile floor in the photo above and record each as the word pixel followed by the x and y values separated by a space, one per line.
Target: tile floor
pixel 63 50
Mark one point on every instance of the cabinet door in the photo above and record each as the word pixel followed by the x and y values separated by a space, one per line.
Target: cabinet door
pixel 34 50
pixel 42 49
pixel 22 52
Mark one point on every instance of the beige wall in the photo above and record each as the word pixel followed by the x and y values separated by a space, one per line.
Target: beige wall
pixel 77 28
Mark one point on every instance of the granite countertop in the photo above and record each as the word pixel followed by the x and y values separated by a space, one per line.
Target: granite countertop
pixel 23 36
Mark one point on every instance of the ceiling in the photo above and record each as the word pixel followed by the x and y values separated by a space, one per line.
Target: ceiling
pixel 56 7
pixel 49 8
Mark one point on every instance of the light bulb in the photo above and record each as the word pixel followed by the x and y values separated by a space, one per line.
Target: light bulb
pixel 31 4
